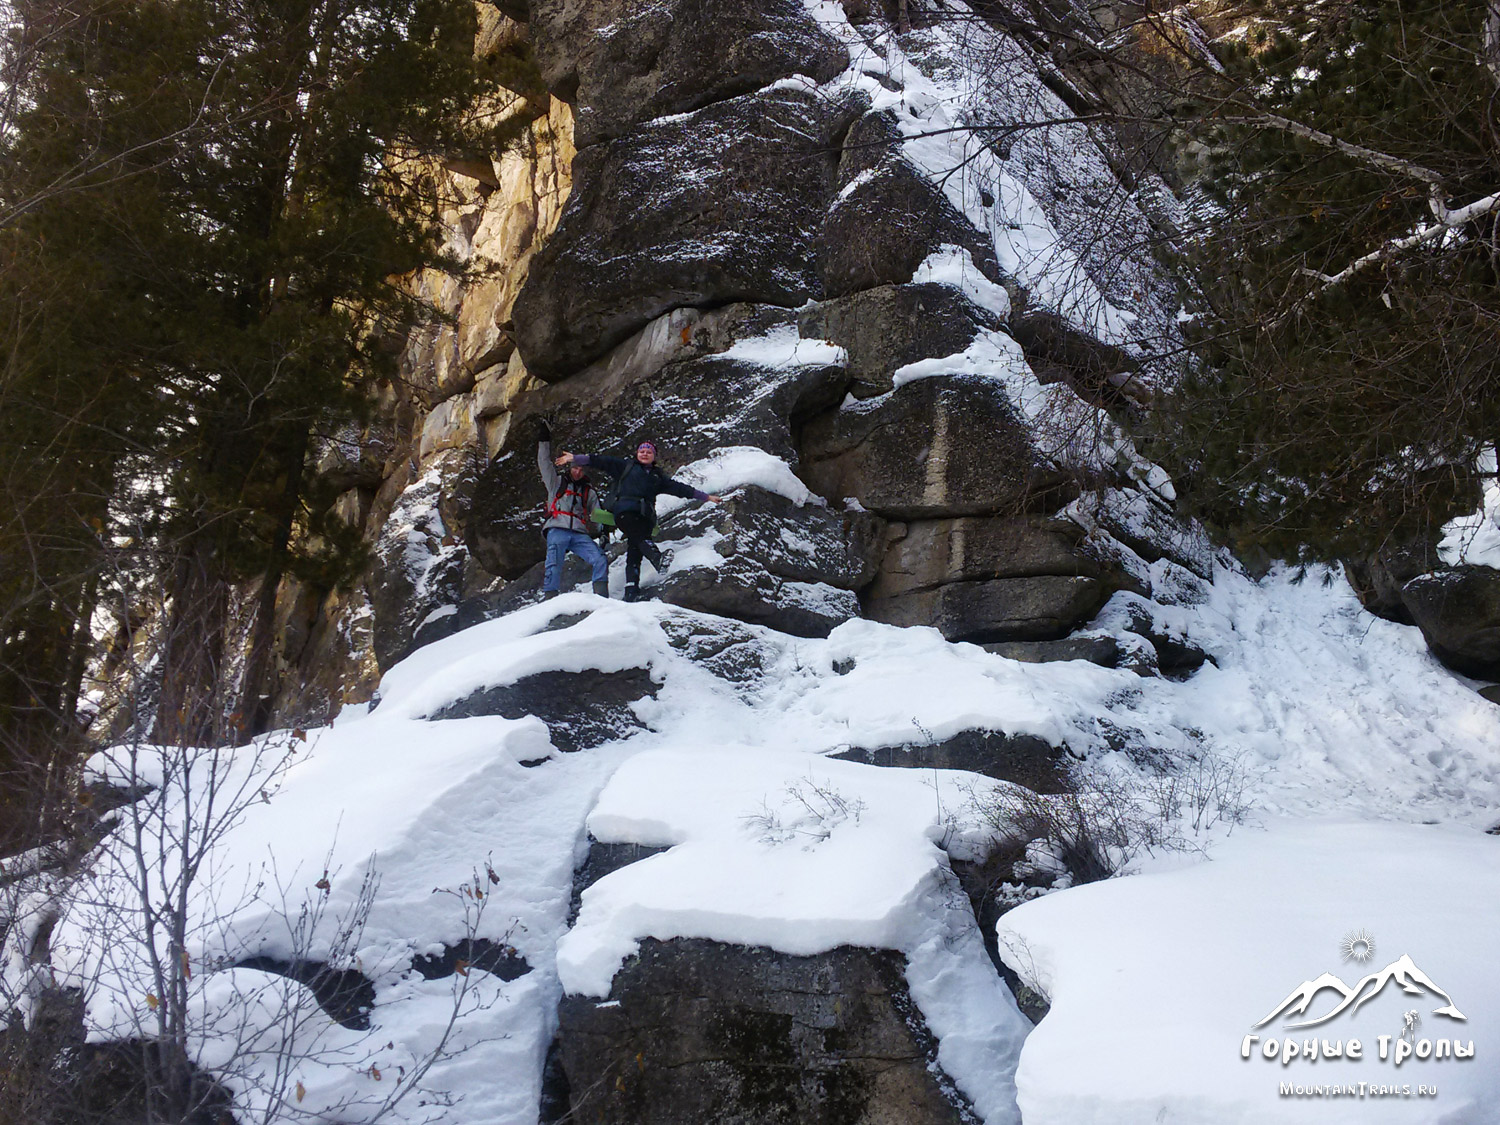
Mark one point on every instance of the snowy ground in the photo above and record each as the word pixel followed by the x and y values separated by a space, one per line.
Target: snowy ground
pixel 1326 713
pixel 1168 988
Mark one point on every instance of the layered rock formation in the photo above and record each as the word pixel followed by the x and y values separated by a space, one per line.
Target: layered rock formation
pixel 778 253
pixel 773 238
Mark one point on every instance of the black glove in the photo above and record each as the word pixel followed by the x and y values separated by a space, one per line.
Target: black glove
pixel 543 431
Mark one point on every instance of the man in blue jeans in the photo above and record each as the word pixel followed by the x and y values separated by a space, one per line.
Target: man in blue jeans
pixel 570 501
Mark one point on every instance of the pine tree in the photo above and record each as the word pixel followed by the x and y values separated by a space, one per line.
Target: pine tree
pixel 206 209
pixel 1346 374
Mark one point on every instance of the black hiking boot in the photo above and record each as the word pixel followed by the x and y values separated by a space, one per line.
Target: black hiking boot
pixel 632 594
pixel 601 588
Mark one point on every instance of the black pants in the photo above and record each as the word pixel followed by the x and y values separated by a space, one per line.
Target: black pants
pixel 637 531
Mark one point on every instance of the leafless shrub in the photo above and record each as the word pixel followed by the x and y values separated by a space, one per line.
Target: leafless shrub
pixel 811 811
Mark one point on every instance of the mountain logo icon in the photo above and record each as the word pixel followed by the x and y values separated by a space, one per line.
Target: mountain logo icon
pixel 1402 972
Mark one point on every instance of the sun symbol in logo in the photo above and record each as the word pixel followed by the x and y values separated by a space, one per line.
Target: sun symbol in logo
pixel 1357 945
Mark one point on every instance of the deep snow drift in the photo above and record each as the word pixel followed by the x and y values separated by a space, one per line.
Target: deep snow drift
pixel 1171 985
pixel 1328 713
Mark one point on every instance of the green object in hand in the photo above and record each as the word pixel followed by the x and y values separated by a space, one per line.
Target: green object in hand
pixel 600 516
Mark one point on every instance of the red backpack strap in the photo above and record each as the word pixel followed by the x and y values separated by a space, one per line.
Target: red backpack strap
pixel 554 510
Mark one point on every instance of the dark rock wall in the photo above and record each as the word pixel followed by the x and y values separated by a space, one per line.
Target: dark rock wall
pixel 697 1031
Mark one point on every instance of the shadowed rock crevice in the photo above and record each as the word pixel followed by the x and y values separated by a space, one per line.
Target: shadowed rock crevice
pixel 346 995
pixel 985 884
pixel 603 858
pixel 469 954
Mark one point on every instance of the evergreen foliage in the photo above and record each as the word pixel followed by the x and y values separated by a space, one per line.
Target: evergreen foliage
pixel 206 210
pixel 1328 419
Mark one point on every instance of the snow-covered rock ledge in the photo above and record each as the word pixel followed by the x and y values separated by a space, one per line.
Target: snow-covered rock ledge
pixel 1199 995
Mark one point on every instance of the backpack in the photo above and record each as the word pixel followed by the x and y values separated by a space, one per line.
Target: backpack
pixel 603 514
pixel 562 490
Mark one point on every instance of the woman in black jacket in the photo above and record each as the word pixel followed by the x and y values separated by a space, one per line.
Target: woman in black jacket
pixel 634 507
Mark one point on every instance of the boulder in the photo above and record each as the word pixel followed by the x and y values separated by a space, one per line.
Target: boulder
pixel 802 542
pixel 1024 759
pixel 885 328
pixel 935 447
pixel 1003 609
pixel 762 558
pixel 1458 611
pixel 1378 579
pixel 697 1031
pixel 723 205
pixel 1150 529
pixel 746 590
pixel 885 222
pixel 623 63
pixel 581 709
pixel 1103 649
pixel 1058 351
pixel 737 654
pixel 927 553
pixel 1163 647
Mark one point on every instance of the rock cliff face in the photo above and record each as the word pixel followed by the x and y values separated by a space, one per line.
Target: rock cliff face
pixel 777 252
pixel 767 235
pixel 762 235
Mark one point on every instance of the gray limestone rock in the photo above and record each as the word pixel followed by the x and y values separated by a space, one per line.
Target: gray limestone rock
pixel 935 447
pixel 581 709
pixel 1145 525
pixel 792 567
pixel 696 1031
pixel 885 328
pixel 1458 611
pixel 735 653
pixel 884 223
pixel 1022 758
pixel 724 205
pixel 1003 609
pixel 927 553
pixel 1378 579
pixel 1170 652
pixel 800 542
pixel 744 589
pixel 622 62
pixel 1059 351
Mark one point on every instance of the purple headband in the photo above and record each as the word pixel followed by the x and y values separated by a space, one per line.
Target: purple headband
pixel 646 445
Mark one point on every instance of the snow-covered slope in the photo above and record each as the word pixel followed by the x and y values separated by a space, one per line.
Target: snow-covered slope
pixel 1326 713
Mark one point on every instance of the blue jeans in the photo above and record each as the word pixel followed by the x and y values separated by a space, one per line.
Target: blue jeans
pixel 559 542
